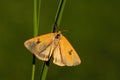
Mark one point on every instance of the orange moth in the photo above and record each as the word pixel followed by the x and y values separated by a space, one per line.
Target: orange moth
pixel 55 45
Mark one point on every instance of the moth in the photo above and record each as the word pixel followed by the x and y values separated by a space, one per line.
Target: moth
pixel 53 45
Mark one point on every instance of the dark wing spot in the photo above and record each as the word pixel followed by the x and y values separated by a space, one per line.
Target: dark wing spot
pixel 70 52
pixel 38 41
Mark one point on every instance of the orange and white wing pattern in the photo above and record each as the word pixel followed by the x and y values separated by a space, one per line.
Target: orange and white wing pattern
pixel 41 46
pixel 65 54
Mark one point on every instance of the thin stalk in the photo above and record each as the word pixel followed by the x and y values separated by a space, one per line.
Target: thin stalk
pixel 35 34
pixel 44 70
pixel 35 19
pixel 39 7
pixel 58 16
pixel 55 28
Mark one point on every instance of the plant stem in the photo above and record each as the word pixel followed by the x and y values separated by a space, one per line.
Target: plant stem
pixel 44 70
pixel 55 28
pixel 35 19
pixel 39 7
pixel 35 34
pixel 33 70
pixel 58 16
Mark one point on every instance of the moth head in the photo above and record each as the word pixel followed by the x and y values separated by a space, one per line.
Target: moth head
pixel 58 35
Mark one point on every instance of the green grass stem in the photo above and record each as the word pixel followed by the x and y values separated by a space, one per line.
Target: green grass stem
pixel 36 27
pixel 55 28
pixel 35 19
pixel 58 16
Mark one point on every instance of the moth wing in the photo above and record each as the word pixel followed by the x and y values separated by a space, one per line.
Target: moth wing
pixel 41 46
pixel 57 55
pixel 66 54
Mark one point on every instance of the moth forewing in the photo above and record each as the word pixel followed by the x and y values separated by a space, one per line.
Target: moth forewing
pixel 69 55
pixel 32 43
pixel 41 46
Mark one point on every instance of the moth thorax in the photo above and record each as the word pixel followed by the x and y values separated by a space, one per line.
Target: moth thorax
pixel 56 40
pixel 57 36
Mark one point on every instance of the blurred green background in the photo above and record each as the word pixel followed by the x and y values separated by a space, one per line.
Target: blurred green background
pixel 93 29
